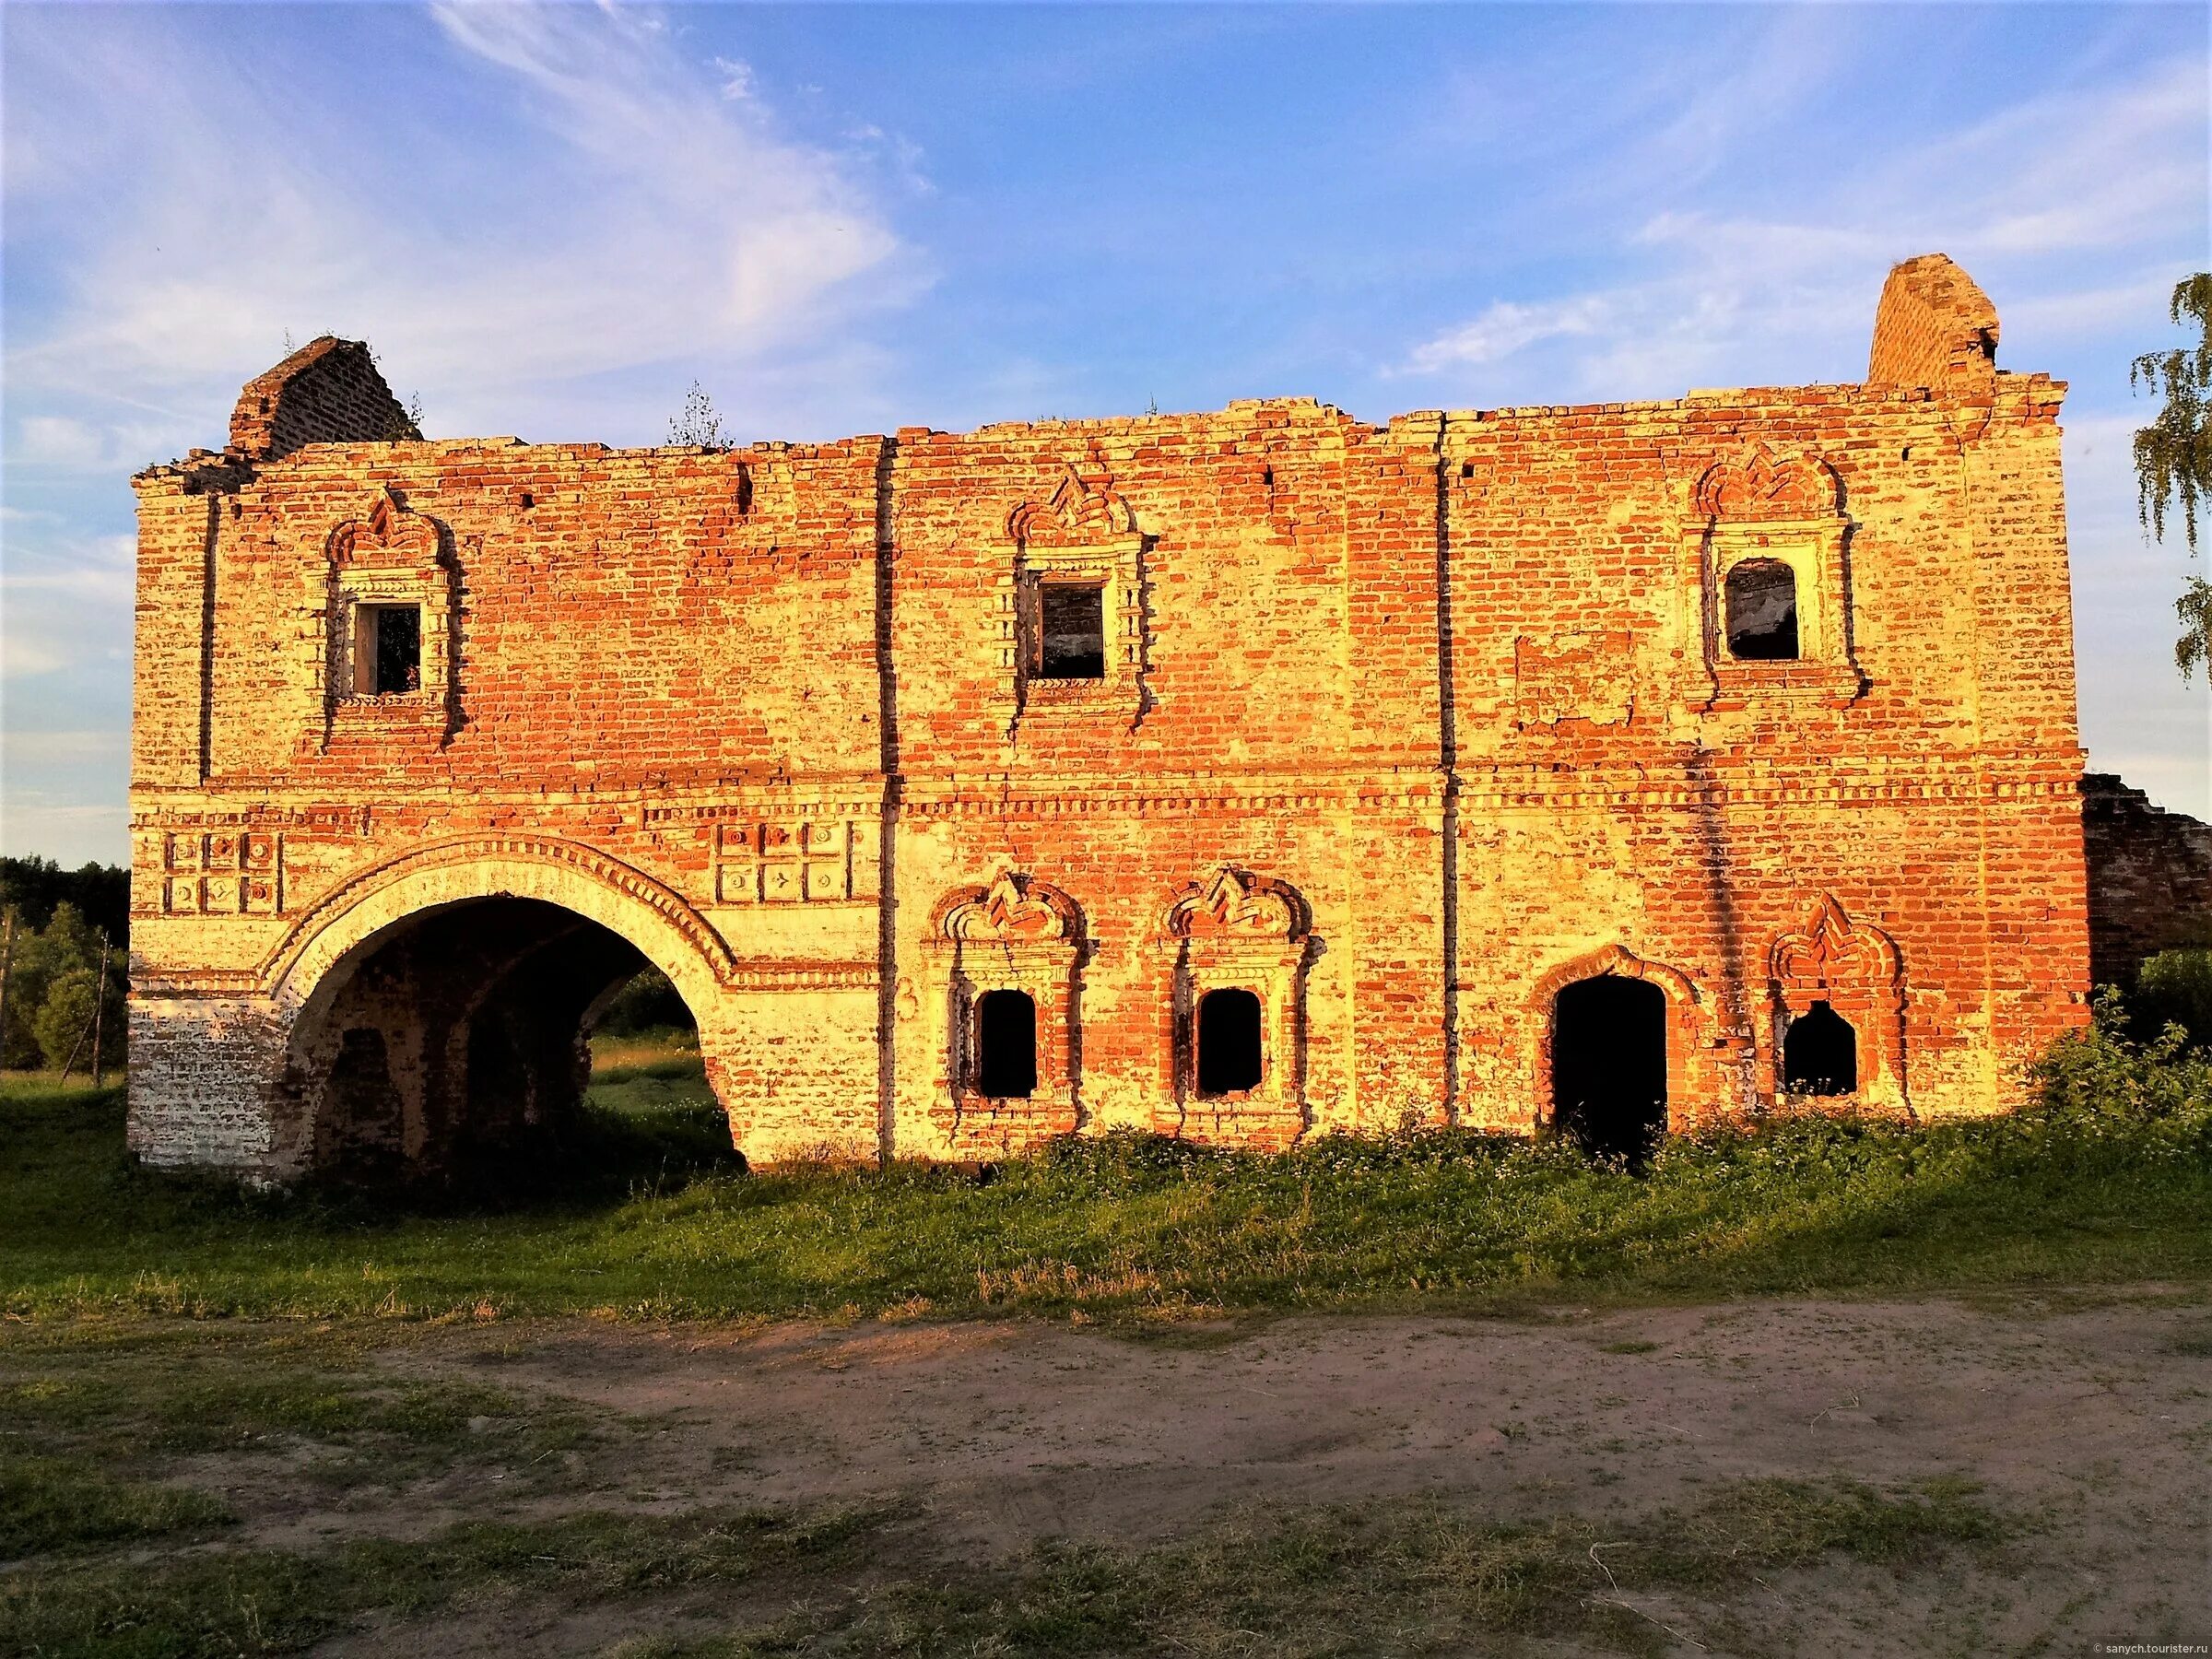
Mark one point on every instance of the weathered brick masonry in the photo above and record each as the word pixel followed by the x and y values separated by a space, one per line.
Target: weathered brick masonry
pixel 1409 732
pixel 2151 877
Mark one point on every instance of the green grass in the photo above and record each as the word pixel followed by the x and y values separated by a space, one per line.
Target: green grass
pixel 218 1604
pixel 641 1211
pixel 48 1505
pixel 1407 1575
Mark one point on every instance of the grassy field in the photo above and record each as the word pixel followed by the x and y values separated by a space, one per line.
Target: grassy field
pixel 641 1212
pixel 186 1369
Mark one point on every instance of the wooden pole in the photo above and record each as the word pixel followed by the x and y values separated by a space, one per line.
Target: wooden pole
pixel 99 1004
pixel 8 957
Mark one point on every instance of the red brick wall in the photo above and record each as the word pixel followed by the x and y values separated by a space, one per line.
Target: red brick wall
pixel 1455 681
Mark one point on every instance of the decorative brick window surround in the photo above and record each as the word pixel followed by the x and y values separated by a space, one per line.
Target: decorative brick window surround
pixel 1754 512
pixel 1014 934
pixel 1082 542
pixel 1855 970
pixel 1236 931
pixel 388 564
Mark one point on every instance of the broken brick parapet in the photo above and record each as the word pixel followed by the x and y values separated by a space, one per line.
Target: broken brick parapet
pixel 328 391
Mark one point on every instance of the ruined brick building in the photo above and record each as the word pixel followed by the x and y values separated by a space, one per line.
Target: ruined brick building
pixel 1240 775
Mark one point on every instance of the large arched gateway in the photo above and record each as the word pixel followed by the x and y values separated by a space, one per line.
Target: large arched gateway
pixel 437 1005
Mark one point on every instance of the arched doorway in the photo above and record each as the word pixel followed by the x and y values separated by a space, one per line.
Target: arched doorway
pixel 1608 1065
pixel 436 1006
pixel 446 1036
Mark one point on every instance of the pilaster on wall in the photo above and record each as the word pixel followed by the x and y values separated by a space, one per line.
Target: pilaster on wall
pixel 178 527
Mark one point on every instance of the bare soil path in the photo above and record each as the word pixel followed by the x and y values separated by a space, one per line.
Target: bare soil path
pixel 2091 1419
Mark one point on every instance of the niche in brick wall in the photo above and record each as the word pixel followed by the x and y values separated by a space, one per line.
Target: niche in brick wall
pixel 390 611
pixel 1233 936
pixel 1768 540
pixel 1070 613
pixel 1006 960
pixel 1832 968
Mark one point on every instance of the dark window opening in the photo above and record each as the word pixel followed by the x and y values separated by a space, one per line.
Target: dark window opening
pixel 1005 1044
pixel 1762 610
pixel 1608 1067
pixel 1821 1054
pixel 1072 623
pixel 1228 1043
pixel 389 641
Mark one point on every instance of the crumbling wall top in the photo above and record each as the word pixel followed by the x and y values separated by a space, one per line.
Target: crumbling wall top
pixel 1934 327
pixel 330 390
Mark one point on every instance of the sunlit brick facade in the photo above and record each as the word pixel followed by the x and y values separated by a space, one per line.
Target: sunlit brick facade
pixel 1761 698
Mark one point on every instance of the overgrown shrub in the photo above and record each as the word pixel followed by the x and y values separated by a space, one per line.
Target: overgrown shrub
pixel 2174 987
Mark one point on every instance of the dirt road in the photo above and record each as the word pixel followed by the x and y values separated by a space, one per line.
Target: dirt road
pixel 2090 1422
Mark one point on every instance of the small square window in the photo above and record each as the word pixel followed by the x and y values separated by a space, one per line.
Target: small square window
pixel 1761 600
pixel 1071 631
pixel 387 649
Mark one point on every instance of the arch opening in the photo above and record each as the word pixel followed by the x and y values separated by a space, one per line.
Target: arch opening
pixel 1821 1054
pixel 450 1037
pixel 1608 1065
pixel 1229 1050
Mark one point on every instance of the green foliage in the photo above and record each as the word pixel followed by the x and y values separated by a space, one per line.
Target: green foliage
pixel 698 423
pixel 50 984
pixel 56 1503
pixel 2173 453
pixel 64 1021
pixel 2174 987
pixel 2098 1084
pixel 648 1002
pixel 641 1211
pixel 102 894
pixel 1403 1575
pixel 232 1603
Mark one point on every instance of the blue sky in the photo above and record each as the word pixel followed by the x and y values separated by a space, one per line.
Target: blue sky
pixel 550 221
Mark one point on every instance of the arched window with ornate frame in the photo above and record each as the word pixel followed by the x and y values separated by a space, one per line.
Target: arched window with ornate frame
pixel 1855 969
pixel 1701 1069
pixel 1768 532
pixel 1236 931
pixel 390 613
pixel 1070 616
pixel 1019 935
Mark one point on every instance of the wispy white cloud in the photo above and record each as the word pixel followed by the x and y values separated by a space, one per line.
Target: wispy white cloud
pixel 661 217
pixel 2096 173
pixel 1506 328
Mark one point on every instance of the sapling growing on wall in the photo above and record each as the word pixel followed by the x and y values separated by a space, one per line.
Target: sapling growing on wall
pixel 700 424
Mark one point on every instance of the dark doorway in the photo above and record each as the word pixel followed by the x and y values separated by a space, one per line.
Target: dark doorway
pixel 1821 1054
pixel 1608 1065
pixel 1072 629
pixel 1005 1044
pixel 1762 611
pixel 1228 1043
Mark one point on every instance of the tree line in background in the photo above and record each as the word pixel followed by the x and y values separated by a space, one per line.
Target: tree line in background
pixel 58 1009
